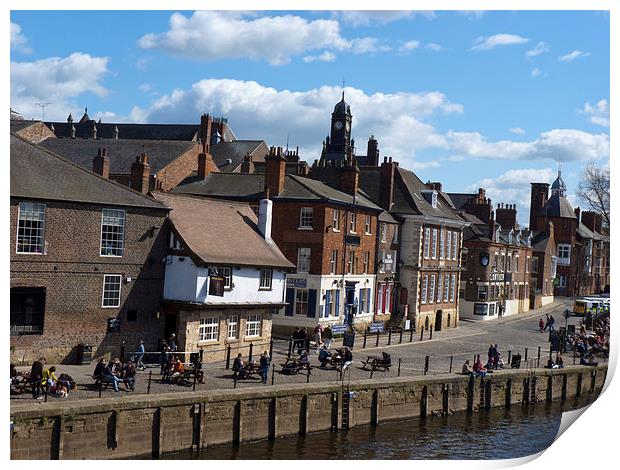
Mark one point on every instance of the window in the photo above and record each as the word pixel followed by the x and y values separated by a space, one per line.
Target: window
pixel 516 264
pixel 527 264
pixel 383 232
pixel 366 259
pixel 534 264
pixel 564 254
pixel 427 242
pixel 509 265
pixel 446 286
pixel 495 261
pixel 333 263
pixel 336 221
pixel 226 273
pixel 112 232
pixel 434 250
pixel 455 244
pixel 111 291
pixel 233 327
pixel 252 326
pixel 439 288
pixel 30 228
pixel 266 276
pixel 448 243
pixel 483 292
pixel 395 234
pixel 424 288
pixel 387 261
pixel 431 290
pixel 303 260
pixel 352 222
pixel 562 281
pixel 350 262
pixel 27 310
pixel 301 302
pixel 364 300
pixel 305 218
pixel 503 263
pixel 442 245
pixel 330 297
pixel 367 225
pixel 209 329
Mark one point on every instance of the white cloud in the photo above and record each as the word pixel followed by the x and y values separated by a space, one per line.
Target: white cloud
pixel 536 72
pixel 517 130
pixel 144 87
pixel 433 47
pixel 538 49
pixel 573 55
pixel 142 64
pixel 471 14
pixel 490 42
pixel 513 187
pixel 57 80
pixel 420 165
pixel 326 56
pixel 410 45
pixel 598 113
pixel 19 42
pixel 213 35
pixel 378 17
pixel 565 145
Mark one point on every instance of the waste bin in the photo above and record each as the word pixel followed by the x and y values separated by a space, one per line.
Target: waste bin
pixel 84 354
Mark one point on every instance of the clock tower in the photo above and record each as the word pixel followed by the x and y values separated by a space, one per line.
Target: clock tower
pixel 339 145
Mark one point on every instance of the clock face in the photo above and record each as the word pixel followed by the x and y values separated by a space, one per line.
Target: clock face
pixel 484 259
pixel 337 125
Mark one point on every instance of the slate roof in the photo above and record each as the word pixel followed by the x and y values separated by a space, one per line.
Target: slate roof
pixel 240 186
pixel 558 206
pixel 122 152
pixel 540 240
pixel 460 199
pixel 236 152
pixel 20 124
pixel 106 130
pixel 221 232
pixel 39 174
pixel 584 232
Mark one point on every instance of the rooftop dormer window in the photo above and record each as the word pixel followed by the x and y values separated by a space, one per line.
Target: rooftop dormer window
pixel 430 196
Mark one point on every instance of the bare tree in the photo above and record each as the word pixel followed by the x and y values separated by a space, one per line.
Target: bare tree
pixel 593 189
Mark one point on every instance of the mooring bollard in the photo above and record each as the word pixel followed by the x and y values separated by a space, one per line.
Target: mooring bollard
pixel 308 375
pixel 450 364
pixel 250 355
pixel 377 343
pixel 228 357
pixel 421 333
pixel 365 335
pixel 148 388
pixel 399 367
pixel 400 341
pixel 389 335
pixel 426 359
pixel 431 335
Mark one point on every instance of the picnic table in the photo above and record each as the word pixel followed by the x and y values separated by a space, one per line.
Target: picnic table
pixel 293 366
pixel 383 362
pixel 21 383
pixel 248 371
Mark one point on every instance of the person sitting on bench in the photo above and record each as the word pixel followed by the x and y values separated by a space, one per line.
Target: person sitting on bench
pixel 347 358
pixel 324 356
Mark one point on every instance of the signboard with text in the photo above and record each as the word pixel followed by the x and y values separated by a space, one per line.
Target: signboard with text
pixel 216 286
pixel 296 282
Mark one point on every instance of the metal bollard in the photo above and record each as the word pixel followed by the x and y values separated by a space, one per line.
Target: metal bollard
pixel 271 347
pixel 525 354
pixel 290 346
pixel 148 388
pixel 307 344
pixel 451 364
pixel 372 371
pixel 100 387
pixel 194 385
pixel 390 336
pixel 308 375
pixel 228 357
pixel 411 335
pixel 431 335
pixel 377 343
pixel 538 359
pixel 426 359
pixel 421 333
pixel 250 356
pixel 400 341
pixel 365 335
pixel 273 373
pixel 509 357
pixel 399 367
pixel 235 382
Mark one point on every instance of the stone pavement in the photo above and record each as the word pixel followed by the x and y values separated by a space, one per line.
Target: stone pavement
pixel 514 333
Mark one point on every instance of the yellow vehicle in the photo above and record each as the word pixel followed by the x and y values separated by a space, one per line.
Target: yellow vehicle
pixel 584 306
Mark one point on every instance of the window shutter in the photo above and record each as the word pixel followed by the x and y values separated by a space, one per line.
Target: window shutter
pixel 327 298
pixel 368 306
pixel 290 300
pixel 337 301
pixel 311 302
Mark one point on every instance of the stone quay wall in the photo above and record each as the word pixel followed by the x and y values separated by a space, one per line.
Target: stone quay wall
pixel 152 425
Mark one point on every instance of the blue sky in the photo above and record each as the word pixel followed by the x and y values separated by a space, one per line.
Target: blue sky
pixel 493 99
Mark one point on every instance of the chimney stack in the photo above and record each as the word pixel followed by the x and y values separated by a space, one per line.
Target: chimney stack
pixel 538 198
pixel 592 220
pixel 248 165
pixel 578 214
pixel 265 209
pixel 349 178
pixel 204 134
pixel 275 171
pixel 386 186
pixel 506 216
pixel 203 165
pixel 480 206
pixel 141 174
pixel 435 185
pixel 115 136
pixel 101 163
pixel 492 227
pixel 373 151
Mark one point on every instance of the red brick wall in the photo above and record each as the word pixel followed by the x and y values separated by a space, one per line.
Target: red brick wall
pixel 72 273
pixel 36 133
pixel 182 167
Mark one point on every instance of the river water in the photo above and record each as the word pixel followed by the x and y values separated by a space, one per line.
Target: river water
pixel 494 434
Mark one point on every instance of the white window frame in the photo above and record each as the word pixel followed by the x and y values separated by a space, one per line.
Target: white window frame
pixel 446 287
pixel 442 246
pixel 427 243
pixel 351 262
pixel 34 208
pixel 352 222
pixel 336 220
pixel 306 218
pixel 431 290
pixel 563 280
pixel 509 265
pixel 383 232
pixel 122 232
pixel 365 261
pixel 120 288
pixel 455 244
pixel 439 288
pixel 332 302
pixel 448 244
pixel 226 273
pixel 527 264
pixel 209 329
pixel 368 225
pixel 452 287
pixel 333 262
pixel 564 252
pixel 232 327
pixel 434 245
pixel 304 255
pixel 424 290
pixel 301 301
pixel 265 279
pixel 253 325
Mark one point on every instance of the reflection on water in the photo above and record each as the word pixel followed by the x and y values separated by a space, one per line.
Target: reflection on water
pixel 494 434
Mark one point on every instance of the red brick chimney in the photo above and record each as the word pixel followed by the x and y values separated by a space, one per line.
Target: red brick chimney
pixel 204 134
pixel 480 206
pixel 592 220
pixel 203 164
pixel 538 198
pixel 506 216
pixel 436 186
pixel 349 178
pixel 492 227
pixel 101 163
pixel 275 171
pixel 386 189
pixel 578 214
pixel 372 151
pixel 140 174
pixel 247 166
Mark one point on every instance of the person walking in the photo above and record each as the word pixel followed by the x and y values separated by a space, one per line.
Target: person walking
pixel 172 343
pixel 541 325
pixel 546 321
pixel 551 323
pixel 318 331
pixel 265 362
pixel 328 337
pixel 36 376
pixel 141 351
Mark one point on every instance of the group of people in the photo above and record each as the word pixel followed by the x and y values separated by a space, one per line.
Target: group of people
pixel 341 356
pixel 44 380
pixel 477 370
pixel 549 322
pixel 242 369
pixel 115 373
pixel 323 336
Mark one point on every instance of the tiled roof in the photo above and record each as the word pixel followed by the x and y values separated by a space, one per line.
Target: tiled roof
pixel 20 124
pixel 39 174
pixel 460 199
pixel 126 131
pixel 221 232
pixel 122 152
pixel 558 206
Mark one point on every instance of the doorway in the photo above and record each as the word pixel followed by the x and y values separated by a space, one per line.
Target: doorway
pixel 438 320
pixel 170 325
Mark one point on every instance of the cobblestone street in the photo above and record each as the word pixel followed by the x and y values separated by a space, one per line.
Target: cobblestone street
pixel 514 333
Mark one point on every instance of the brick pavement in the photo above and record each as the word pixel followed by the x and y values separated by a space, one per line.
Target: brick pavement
pixel 514 333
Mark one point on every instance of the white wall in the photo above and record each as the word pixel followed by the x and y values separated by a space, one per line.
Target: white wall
pixel 186 282
pixel 466 310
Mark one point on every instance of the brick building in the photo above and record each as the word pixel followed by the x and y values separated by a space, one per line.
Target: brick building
pixel 497 257
pixel 544 267
pixel 225 277
pixel 329 234
pixel 592 254
pixel 86 259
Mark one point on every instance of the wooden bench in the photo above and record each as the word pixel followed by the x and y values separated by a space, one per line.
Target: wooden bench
pixel 378 362
pixel 293 367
